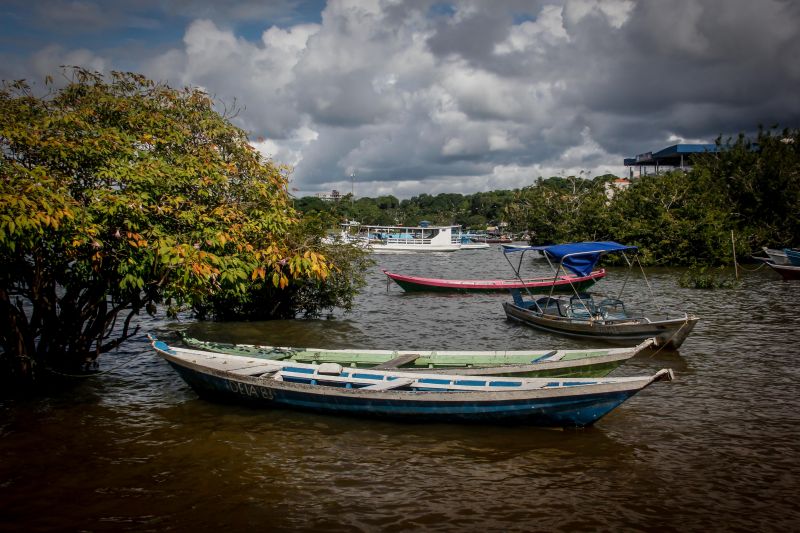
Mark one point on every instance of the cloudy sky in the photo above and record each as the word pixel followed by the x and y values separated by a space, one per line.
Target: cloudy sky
pixel 405 97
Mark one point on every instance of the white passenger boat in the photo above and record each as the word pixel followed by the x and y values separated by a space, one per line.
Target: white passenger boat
pixel 404 239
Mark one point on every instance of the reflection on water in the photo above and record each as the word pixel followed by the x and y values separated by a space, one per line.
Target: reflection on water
pixel 718 448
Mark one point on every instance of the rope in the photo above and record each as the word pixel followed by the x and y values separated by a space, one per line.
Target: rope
pixel 759 267
pixel 670 338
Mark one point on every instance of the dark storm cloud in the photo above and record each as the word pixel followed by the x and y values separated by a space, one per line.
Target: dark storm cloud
pixel 692 69
pixel 472 38
pixel 427 96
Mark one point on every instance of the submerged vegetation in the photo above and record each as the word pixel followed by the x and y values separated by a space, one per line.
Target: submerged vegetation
pixel 705 277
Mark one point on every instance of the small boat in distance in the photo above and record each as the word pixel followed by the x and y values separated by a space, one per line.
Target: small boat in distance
pixel 415 397
pixel 591 362
pixel 774 255
pixel 492 238
pixel 561 283
pixel 507 246
pixel 787 272
pixel 580 316
pixel 793 256
pixel 468 244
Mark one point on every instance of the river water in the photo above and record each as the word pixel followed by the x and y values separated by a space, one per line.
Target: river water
pixel 134 449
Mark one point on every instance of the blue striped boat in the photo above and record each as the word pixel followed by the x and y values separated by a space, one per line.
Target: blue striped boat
pixel 331 388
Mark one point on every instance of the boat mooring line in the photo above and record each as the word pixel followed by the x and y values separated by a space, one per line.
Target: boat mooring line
pixel 670 338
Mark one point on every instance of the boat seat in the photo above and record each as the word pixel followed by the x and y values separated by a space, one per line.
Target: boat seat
pixel 397 361
pixel 581 306
pixel 550 306
pixel 329 369
pixel 516 294
pixel 612 309
pixel 255 371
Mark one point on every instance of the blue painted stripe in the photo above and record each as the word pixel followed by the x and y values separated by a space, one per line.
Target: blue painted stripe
pixel 367 376
pixel 570 383
pixel 164 347
pixel 299 370
pixel 436 381
pixel 471 383
pixel 293 379
pixel 505 383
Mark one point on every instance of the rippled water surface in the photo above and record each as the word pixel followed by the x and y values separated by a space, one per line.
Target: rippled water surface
pixel 134 449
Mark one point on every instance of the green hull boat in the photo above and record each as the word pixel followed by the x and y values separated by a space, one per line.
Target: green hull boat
pixel 530 363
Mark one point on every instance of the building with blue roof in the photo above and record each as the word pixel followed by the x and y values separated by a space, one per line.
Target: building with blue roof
pixel 675 156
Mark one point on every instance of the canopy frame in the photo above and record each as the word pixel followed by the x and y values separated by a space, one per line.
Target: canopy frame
pixel 564 253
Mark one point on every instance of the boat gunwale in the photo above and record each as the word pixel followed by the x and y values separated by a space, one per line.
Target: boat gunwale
pixel 585 361
pixel 432 353
pixel 602 385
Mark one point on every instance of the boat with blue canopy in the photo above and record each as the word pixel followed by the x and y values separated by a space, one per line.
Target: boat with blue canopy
pixel 581 314
pixel 416 397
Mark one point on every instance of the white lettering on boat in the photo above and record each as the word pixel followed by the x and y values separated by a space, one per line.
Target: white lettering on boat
pixel 252 391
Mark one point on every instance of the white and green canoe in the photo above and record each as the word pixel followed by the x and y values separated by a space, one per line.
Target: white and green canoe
pixel 532 363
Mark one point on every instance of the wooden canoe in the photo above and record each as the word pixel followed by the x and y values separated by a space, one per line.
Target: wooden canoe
pixel 416 397
pixel 592 362
pixel 563 283
pixel 787 272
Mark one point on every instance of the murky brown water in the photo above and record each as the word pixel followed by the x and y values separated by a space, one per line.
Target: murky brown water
pixel 717 449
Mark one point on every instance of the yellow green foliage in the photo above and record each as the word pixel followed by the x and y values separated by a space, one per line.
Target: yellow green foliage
pixel 119 193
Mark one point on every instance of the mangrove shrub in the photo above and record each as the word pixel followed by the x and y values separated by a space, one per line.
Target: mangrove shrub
pixel 118 194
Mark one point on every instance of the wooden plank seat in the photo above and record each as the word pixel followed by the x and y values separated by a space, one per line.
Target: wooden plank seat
pixel 258 370
pixel 545 357
pixel 398 361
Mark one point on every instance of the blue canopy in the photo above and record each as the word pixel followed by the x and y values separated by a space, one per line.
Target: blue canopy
pixel 579 257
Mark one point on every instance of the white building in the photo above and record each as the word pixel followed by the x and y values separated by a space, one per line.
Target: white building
pixel 334 196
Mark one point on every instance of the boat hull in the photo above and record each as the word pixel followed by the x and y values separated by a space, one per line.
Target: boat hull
pixel 787 272
pixel 576 410
pixel 670 333
pixel 776 256
pixel 564 284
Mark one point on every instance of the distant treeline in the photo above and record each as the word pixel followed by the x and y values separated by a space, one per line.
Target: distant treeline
pixel 475 211
pixel 750 187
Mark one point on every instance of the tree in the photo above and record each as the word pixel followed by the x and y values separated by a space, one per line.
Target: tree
pixel 552 209
pixel 118 194
pixel 760 181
